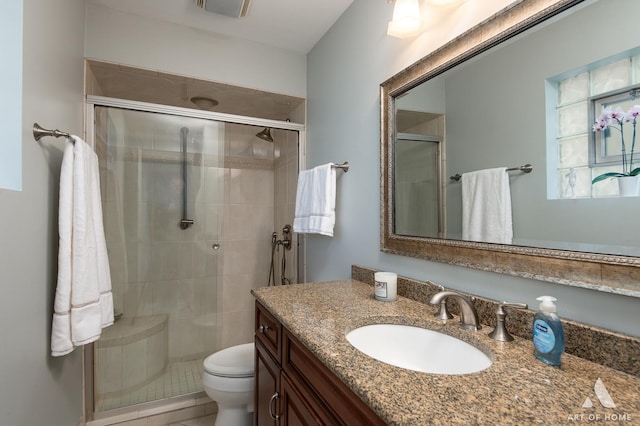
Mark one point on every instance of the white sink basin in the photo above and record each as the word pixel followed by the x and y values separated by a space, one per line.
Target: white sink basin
pixel 418 349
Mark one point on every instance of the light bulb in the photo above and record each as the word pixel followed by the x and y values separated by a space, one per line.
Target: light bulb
pixel 406 19
pixel 445 2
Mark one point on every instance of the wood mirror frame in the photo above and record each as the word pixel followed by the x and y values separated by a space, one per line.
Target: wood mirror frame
pixel 602 272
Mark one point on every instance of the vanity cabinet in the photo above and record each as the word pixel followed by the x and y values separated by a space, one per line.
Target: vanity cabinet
pixel 293 387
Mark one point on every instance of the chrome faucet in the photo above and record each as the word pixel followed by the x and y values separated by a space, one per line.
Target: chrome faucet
pixel 443 313
pixel 468 313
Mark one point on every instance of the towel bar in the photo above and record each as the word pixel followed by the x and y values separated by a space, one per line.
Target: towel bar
pixel 40 132
pixel 344 166
pixel 527 168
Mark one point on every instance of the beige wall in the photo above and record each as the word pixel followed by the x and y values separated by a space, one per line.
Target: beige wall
pixel 37 389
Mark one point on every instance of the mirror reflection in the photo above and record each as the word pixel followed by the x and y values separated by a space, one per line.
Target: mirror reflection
pixel 531 100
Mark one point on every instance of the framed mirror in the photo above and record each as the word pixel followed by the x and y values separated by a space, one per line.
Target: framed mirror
pixel 520 89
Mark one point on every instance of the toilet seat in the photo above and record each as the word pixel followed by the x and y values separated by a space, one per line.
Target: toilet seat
pixel 236 361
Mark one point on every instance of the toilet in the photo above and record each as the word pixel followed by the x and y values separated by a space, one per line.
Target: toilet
pixel 228 380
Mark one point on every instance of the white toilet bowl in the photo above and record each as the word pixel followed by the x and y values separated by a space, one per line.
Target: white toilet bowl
pixel 228 380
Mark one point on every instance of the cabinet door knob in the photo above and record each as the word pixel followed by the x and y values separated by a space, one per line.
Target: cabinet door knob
pixel 273 398
pixel 263 328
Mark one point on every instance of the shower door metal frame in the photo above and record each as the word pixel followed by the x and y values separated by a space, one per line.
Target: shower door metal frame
pixel 93 101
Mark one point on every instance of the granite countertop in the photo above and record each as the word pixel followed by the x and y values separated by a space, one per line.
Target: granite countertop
pixel 516 389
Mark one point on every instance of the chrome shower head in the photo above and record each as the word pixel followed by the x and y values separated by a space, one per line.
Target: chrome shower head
pixel 265 135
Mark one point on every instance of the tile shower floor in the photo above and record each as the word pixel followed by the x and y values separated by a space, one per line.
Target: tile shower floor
pixel 180 378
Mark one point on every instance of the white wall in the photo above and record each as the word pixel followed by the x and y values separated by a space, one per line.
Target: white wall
pixel 35 388
pixel 123 38
pixel 345 70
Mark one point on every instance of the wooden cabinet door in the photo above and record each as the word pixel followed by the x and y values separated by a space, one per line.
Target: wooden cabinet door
pixel 267 386
pixel 294 388
pixel 296 409
pixel 332 399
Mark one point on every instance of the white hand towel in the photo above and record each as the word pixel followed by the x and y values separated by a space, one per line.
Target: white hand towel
pixel 486 206
pixel 316 201
pixel 83 302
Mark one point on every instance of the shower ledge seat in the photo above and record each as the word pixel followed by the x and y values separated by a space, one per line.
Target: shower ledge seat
pixel 130 354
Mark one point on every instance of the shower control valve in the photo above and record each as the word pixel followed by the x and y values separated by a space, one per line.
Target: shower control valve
pixel 286 235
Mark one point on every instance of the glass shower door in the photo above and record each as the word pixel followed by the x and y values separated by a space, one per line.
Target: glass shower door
pixel 189 207
pixel 162 180
pixel 417 186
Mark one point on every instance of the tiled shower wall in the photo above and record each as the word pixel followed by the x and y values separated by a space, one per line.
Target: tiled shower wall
pixel 262 179
pixel 248 219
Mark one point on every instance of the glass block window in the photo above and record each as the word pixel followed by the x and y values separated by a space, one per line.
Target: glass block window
pixel 577 95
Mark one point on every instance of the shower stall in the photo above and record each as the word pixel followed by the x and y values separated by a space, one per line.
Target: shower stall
pixel 190 203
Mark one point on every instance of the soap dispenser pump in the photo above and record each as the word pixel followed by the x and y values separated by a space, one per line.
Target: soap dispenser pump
pixel 548 335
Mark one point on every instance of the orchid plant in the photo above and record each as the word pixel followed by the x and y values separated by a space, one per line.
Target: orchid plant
pixel 615 118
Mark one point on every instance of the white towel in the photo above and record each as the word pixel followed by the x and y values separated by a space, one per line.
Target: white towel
pixel 83 301
pixel 486 206
pixel 316 201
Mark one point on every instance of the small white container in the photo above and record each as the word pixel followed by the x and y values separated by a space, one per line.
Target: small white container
pixel 386 286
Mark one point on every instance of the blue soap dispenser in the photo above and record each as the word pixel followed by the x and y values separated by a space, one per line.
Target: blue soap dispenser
pixel 548 335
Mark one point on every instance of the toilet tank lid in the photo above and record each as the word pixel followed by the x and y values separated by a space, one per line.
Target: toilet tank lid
pixel 236 361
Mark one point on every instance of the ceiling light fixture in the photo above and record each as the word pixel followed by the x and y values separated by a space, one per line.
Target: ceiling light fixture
pixel 204 103
pixel 446 3
pixel 407 21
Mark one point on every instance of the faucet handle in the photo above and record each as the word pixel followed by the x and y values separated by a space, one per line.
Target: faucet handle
pixel 442 313
pixel 500 333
